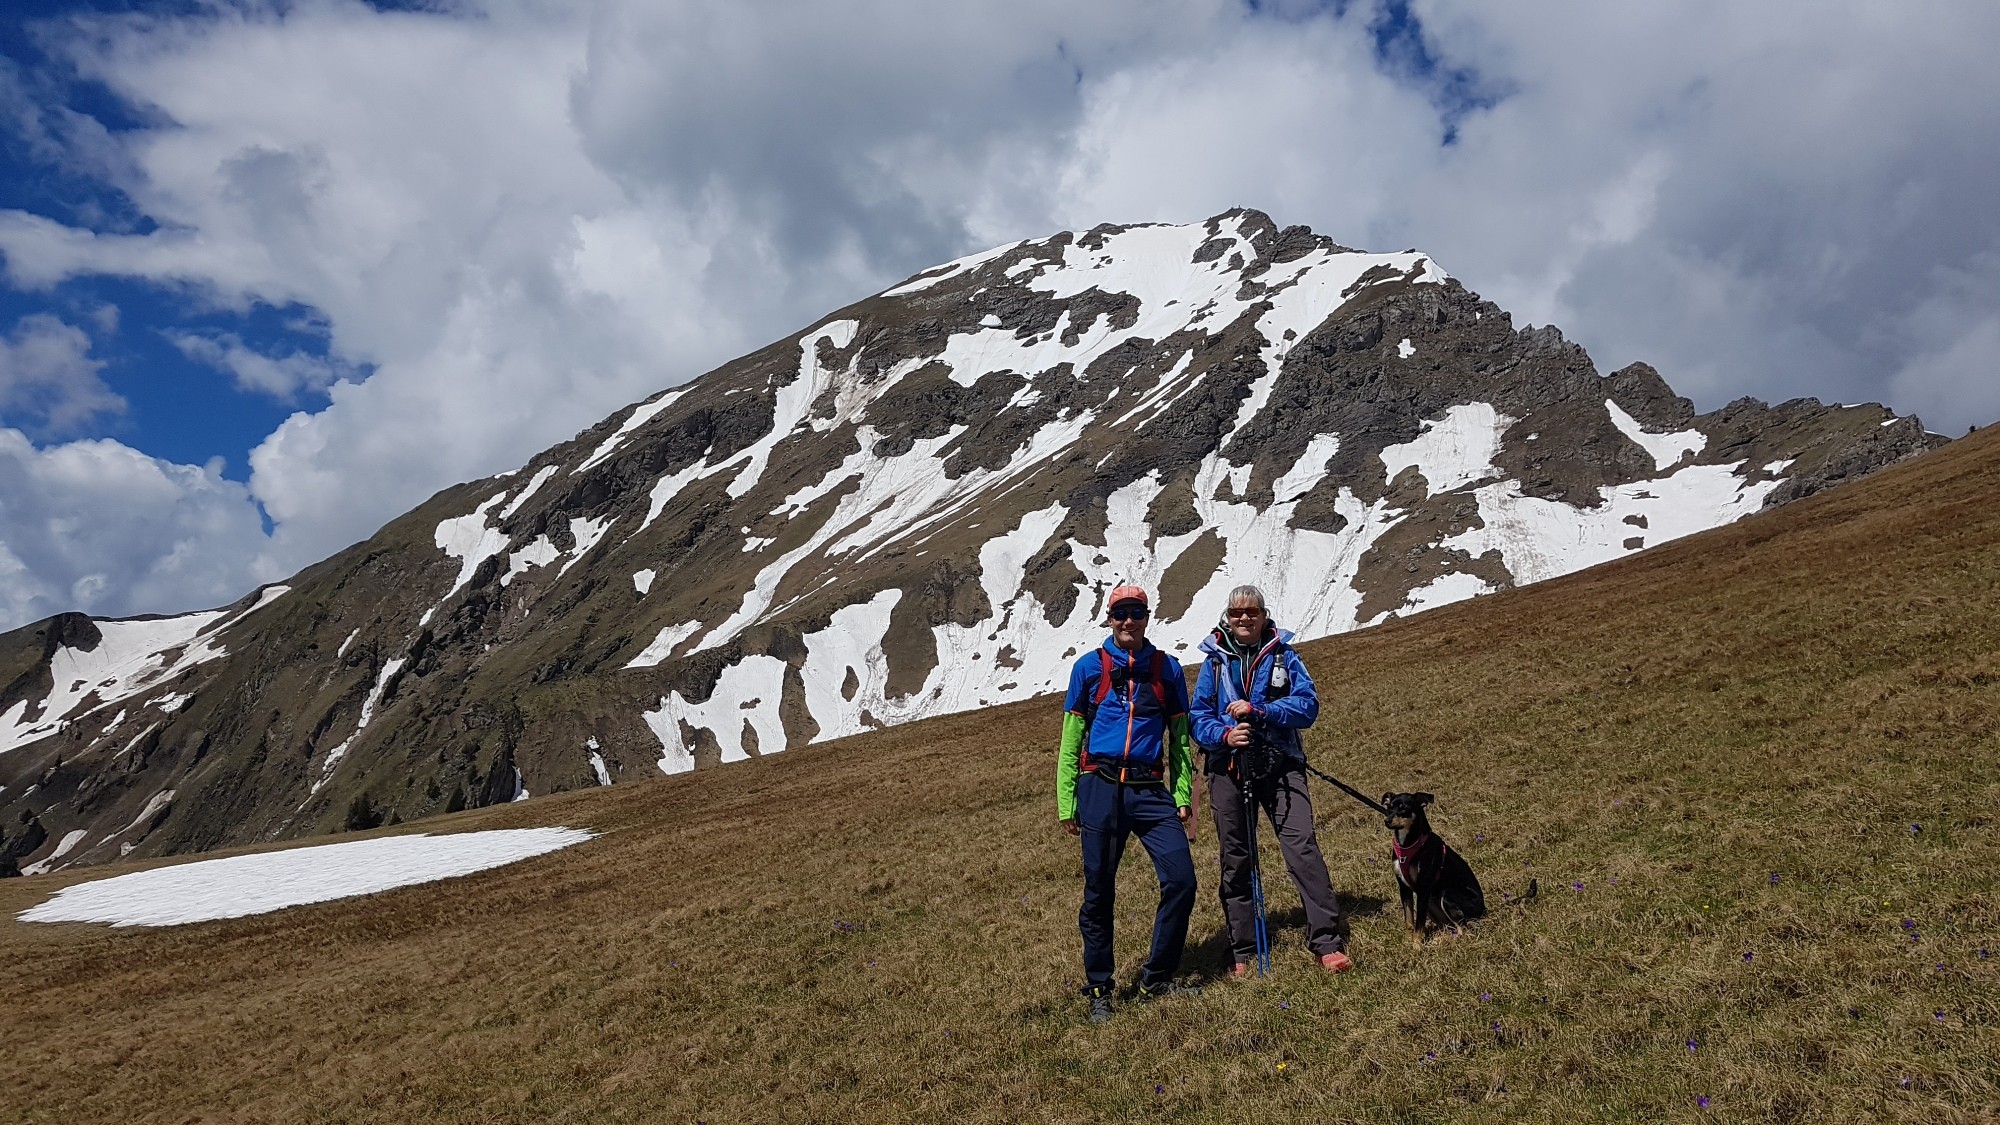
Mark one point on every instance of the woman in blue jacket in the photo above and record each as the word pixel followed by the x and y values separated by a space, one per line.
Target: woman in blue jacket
pixel 1250 702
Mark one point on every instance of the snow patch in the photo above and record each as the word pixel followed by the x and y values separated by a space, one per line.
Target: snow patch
pixel 1667 449
pixel 642 580
pixel 1540 539
pixel 850 643
pixel 748 693
pixel 664 643
pixel 70 840
pixel 469 540
pixel 1453 451
pixel 130 657
pixel 1405 349
pixel 641 414
pixel 534 485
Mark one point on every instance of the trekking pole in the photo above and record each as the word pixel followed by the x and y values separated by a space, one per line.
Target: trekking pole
pixel 1257 886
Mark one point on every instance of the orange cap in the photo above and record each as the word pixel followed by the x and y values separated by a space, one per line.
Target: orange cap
pixel 1128 594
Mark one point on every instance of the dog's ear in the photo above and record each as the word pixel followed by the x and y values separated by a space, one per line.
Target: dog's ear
pixel 1388 798
pixel 1425 799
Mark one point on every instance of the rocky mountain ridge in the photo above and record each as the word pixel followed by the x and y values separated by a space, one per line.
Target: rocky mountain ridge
pixel 911 508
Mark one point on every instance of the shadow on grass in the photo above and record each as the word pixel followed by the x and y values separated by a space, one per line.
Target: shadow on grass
pixel 1212 958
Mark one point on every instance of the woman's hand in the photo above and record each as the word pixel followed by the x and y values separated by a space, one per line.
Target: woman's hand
pixel 1238 708
pixel 1238 736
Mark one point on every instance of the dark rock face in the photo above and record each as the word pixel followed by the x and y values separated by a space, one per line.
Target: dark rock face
pixel 915 506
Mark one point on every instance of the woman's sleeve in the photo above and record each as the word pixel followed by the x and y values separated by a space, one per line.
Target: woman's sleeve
pixel 1209 725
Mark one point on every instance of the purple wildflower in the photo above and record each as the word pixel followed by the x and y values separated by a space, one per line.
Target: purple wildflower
pixel 1916 828
pixel 1692 1046
pixel 1576 886
pixel 1702 1101
pixel 1747 956
pixel 1982 953
pixel 1903 1081
pixel 1285 1004
pixel 1496 1025
pixel 1159 1088
pixel 1478 837
pixel 1614 880
pixel 1940 966
pixel 1774 878
pixel 1486 996
pixel 1854 1013
pixel 1938 1015
pixel 1909 923
pixel 1915 938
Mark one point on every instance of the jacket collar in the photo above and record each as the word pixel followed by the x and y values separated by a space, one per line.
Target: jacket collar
pixel 1120 656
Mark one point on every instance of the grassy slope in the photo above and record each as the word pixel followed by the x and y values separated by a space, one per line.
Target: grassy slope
pixel 1788 696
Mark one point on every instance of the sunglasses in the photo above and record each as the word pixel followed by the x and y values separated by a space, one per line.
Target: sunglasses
pixel 1252 611
pixel 1122 614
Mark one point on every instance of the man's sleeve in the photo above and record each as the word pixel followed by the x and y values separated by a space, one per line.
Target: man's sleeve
pixel 1079 687
pixel 1300 707
pixel 1066 765
pixel 1180 750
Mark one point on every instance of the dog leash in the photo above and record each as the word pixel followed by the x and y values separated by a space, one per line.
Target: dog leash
pixel 1342 786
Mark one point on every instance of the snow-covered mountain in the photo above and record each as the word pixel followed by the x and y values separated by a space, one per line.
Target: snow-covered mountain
pixel 913 507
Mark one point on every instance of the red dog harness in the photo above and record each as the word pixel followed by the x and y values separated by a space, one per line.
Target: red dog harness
pixel 1406 857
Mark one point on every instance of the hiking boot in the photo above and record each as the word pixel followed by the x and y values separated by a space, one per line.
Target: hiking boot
pixel 1336 962
pixel 1100 1005
pixel 1167 988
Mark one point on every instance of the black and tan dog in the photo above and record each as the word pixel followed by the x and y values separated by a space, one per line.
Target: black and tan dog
pixel 1436 884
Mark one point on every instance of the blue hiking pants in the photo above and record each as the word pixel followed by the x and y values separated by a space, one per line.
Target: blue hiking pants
pixel 1106 815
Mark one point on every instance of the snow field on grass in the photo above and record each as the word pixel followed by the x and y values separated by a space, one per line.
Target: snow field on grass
pixel 642 580
pixel 256 884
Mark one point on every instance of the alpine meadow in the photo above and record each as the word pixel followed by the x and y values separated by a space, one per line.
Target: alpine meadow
pixel 1753 770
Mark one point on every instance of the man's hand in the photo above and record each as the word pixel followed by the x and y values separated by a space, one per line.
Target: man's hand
pixel 1184 812
pixel 1070 827
pixel 1238 736
pixel 1239 708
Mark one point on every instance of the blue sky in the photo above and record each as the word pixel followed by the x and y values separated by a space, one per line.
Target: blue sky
pixel 174 407
pixel 360 253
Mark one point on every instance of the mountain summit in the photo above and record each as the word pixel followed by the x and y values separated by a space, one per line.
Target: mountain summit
pixel 913 507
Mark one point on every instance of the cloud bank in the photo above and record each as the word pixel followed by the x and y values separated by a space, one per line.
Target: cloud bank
pixel 514 218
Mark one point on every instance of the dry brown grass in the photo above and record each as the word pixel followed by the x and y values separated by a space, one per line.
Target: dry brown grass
pixel 1785 697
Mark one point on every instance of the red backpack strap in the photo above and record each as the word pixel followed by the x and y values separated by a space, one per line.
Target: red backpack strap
pixel 1160 678
pixel 1103 679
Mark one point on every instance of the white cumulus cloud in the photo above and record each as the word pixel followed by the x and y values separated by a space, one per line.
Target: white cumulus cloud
pixel 515 217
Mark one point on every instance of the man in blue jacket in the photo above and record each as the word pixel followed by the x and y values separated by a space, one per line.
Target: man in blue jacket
pixel 1250 702
pixel 1125 768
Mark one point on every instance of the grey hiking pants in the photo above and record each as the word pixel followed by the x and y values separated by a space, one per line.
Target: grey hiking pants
pixel 1289 811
